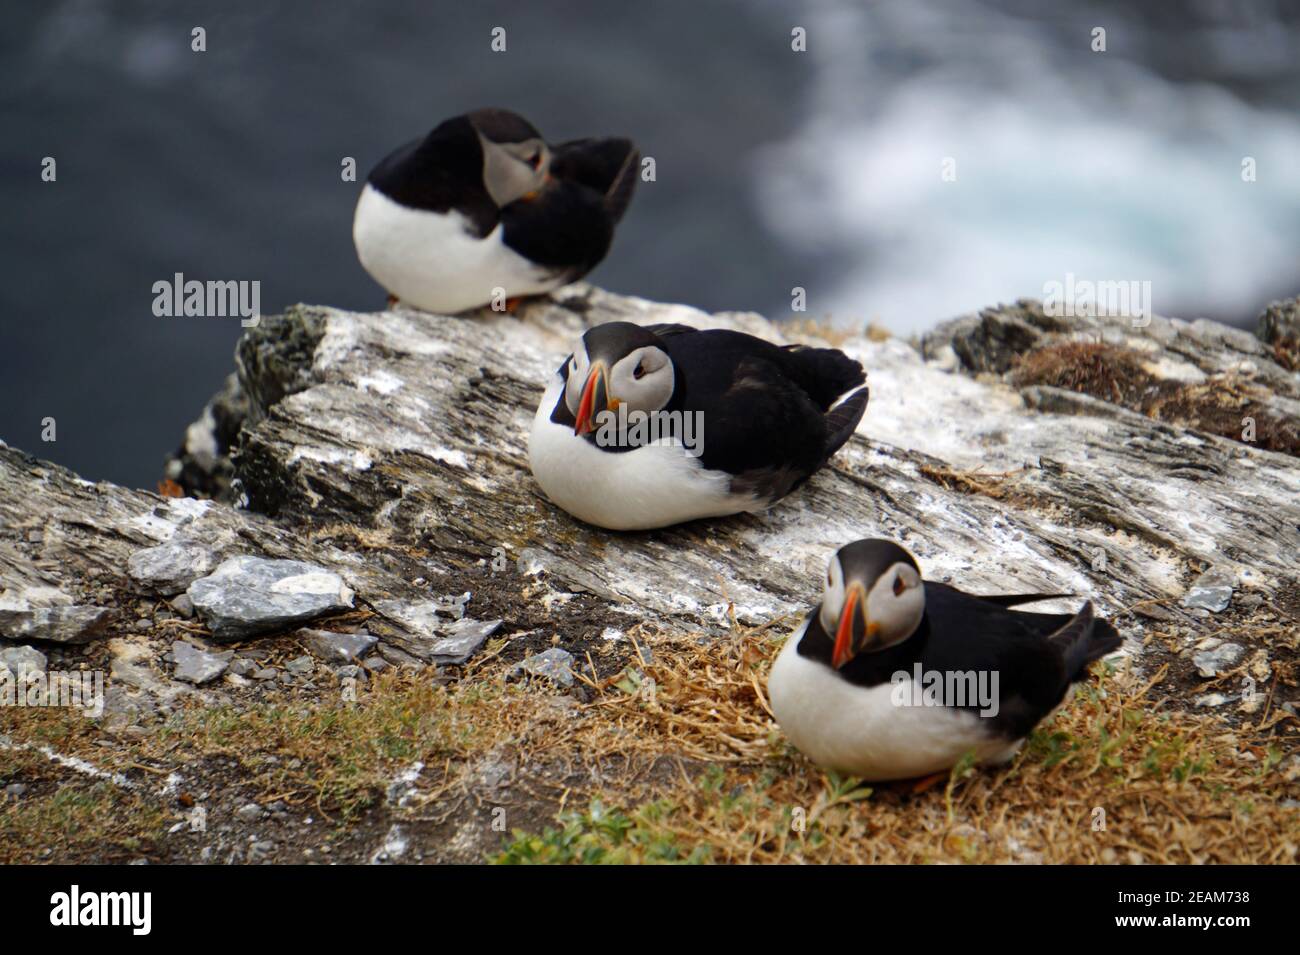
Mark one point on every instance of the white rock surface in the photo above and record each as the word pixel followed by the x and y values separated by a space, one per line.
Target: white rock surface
pixel 383 449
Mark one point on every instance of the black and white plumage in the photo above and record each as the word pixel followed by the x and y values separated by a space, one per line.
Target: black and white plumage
pixel 484 203
pixel 770 417
pixel 835 688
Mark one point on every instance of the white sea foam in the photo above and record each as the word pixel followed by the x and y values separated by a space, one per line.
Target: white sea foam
pixel 1066 162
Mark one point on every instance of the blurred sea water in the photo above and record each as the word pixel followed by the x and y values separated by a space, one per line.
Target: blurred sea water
pixel 775 169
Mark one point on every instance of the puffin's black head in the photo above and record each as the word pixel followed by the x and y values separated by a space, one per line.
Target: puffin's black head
pixel 617 363
pixel 874 598
pixel 516 160
pixel 502 126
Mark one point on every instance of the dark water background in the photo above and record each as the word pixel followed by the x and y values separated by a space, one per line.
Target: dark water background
pixel 225 165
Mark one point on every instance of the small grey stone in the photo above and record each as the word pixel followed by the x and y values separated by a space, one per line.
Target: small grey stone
pixel 144 624
pixel 198 666
pixel 417 616
pixel 251 595
pixel 396 656
pixel 22 660
pixel 266 673
pixel 376 664
pixel 124 709
pixel 169 568
pixel 1210 663
pixel 242 666
pixel 351 672
pixel 260 850
pixel 462 640
pixel 62 624
pixel 182 604
pixel 439 641
pixel 16 789
pixel 337 647
pixel 249 812
pixel 1211 699
pixel 494 773
pixel 1250 601
pixel 1211 591
pixel 553 664
pixel 300 666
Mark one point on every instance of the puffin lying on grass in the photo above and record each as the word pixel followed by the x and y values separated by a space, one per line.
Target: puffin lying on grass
pixel 483 207
pixel 893 677
pixel 647 426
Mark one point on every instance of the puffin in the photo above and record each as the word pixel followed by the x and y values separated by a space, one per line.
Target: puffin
pixel 647 426
pixel 483 205
pixel 849 688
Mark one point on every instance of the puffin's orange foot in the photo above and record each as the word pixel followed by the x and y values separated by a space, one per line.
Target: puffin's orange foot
pixel 392 300
pixel 512 304
pixel 926 783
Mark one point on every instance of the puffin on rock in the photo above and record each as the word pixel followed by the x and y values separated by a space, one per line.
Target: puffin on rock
pixel 847 688
pixel 483 204
pixel 752 421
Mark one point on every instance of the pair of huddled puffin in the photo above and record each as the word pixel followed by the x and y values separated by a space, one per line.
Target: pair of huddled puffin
pixel 646 426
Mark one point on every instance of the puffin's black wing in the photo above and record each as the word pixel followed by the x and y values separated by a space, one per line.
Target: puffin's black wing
pixel 836 383
pixel 566 228
pixel 825 373
pixel 665 329
pixel 441 172
pixel 1085 639
pixel 1013 600
pixel 570 225
pixel 606 166
pixel 765 407
pixel 1035 656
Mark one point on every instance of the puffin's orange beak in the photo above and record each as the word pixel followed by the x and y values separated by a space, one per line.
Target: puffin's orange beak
pixel 547 180
pixel 844 648
pixel 595 399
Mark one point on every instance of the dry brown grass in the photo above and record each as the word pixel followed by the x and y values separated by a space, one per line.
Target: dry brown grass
pixel 999 486
pixel 1172 787
pixel 826 332
pixel 678 759
pixel 1219 405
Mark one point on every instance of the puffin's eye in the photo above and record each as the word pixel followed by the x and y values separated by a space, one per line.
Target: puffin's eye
pixel 899 586
pixel 535 160
pixel 639 372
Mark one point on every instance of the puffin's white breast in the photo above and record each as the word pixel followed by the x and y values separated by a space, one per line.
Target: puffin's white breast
pixel 860 731
pixel 652 486
pixel 432 261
